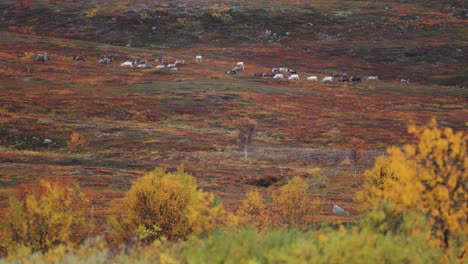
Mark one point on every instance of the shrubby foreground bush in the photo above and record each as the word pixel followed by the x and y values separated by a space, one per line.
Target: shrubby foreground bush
pixel 43 216
pixel 429 177
pixel 251 246
pixel 165 204
pixel 415 200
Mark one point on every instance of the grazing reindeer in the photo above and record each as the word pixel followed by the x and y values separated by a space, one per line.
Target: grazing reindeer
pixel 294 77
pixel 105 60
pixel 263 74
pixel 78 58
pixel 42 57
pixel 343 79
pixel 240 66
pixel 278 76
pixel 127 64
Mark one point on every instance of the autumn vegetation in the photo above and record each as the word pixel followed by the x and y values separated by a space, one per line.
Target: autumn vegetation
pixel 165 204
pixel 428 177
pixel 77 142
pixel 414 199
pixel 43 216
pixel 104 164
pixel 357 149
pixel 246 127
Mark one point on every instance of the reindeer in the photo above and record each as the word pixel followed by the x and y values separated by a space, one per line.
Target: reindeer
pixel 42 57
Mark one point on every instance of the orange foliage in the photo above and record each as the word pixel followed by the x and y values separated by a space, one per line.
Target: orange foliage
pixel 77 141
pixel 357 152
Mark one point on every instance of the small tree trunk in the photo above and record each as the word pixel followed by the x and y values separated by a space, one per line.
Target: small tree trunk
pixel 355 171
pixel 446 238
pixel 246 155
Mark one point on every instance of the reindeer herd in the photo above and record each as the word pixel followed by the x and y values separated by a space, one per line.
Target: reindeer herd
pixel 145 64
pixel 280 73
pixel 140 64
pixel 277 73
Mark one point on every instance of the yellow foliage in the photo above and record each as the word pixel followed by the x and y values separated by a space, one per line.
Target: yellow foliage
pixel 429 177
pixel 221 13
pixel 44 217
pixel 252 211
pixel 91 12
pixel 165 204
pixel 291 204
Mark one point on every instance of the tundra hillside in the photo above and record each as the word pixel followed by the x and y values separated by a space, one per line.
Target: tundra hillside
pixel 71 115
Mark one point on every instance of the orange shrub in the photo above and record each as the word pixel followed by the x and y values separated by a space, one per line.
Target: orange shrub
pixel 357 153
pixel 77 141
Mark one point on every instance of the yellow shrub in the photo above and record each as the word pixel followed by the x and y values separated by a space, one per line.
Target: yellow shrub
pixel 91 12
pixel 429 177
pixel 44 216
pixel 252 210
pixel 291 204
pixel 221 12
pixel 165 204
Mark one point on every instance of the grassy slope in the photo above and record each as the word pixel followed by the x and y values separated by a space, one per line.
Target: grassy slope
pixel 387 38
pixel 135 120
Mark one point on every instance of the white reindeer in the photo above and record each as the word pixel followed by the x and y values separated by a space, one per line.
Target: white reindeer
pixel 312 78
pixel 372 78
pixel 278 76
pixel 294 77
pixel 198 58
pixel 144 65
pixel 127 64
pixel 240 66
pixel 328 79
